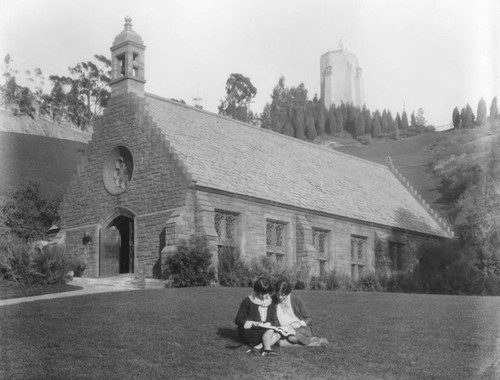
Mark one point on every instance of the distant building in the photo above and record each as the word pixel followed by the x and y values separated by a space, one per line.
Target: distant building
pixel 157 172
pixel 341 78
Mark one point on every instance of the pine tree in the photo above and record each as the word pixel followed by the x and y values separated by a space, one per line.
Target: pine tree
pixel 404 121
pixel 376 127
pixel 481 112
pixel 359 125
pixel 398 120
pixel 320 118
pixel 494 109
pixel 467 117
pixel 332 120
pixel 310 128
pixel 384 122
pixel 413 121
pixel 456 118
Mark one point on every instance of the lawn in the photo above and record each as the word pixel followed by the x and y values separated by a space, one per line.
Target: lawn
pixel 183 333
pixel 10 289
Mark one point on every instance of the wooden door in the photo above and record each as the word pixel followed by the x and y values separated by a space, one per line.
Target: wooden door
pixel 131 246
pixel 109 252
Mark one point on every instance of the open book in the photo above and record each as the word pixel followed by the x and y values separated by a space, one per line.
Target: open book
pixel 285 331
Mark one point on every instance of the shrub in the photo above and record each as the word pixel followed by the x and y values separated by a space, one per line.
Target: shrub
pixel 190 265
pixel 369 283
pixel 232 271
pixel 21 263
pixel 335 280
pixel 28 212
pixel 50 265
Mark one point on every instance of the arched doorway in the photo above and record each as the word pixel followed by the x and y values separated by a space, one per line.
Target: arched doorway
pixel 116 247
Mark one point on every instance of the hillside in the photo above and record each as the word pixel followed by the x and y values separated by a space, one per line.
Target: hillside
pixel 50 160
pixel 40 126
pixel 410 156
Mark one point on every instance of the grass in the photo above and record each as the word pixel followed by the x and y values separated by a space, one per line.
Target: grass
pixel 9 289
pixel 411 156
pixel 183 333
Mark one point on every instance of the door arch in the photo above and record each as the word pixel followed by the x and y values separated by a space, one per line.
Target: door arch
pixel 116 247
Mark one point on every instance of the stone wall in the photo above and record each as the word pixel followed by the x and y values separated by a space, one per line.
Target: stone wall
pixel 158 185
pixel 251 236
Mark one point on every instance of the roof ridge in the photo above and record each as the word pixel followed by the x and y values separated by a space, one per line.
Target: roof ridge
pixel 264 130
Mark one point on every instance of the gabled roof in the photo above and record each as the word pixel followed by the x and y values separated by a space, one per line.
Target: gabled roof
pixel 227 155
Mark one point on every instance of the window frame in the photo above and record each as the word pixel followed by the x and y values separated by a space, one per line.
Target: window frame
pixel 397 262
pixel 271 249
pixel 358 263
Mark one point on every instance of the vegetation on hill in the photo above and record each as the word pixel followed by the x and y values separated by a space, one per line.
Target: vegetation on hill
pixel 78 98
pixel 292 113
pixel 468 166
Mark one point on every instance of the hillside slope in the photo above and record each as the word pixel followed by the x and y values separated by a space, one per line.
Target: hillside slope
pixel 40 126
pixel 50 160
pixel 411 157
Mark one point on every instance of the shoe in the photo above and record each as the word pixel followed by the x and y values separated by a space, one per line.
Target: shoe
pixel 252 350
pixel 269 353
pixel 323 342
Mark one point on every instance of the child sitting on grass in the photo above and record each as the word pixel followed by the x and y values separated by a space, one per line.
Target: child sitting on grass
pixel 294 317
pixel 255 310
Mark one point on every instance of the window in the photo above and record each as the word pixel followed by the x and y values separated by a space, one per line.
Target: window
pixel 358 256
pixel 276 240
pixel 396 252
pixel 226 228
pixel 320 242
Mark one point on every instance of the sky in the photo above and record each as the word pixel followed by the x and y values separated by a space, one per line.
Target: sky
pixel 434 54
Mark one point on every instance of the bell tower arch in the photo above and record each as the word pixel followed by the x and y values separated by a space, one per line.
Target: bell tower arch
pixel 127 62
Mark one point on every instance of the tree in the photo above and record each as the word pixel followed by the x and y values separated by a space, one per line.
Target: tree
pixel 319 117
pixel 310 128
pixel 91 80
pixel 467 117
pixel 413 121
pixel 481 113
pixel 456 118
pixel 404 121
pixel 384 122
pixel 494 109
pixel 28 212
pixel 359 125
pixel 376 127
pixel 332 120
pixel 420 120
pixel 239 93
pixel 398 120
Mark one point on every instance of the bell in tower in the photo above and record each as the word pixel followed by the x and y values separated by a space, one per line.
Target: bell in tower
pixel 127 62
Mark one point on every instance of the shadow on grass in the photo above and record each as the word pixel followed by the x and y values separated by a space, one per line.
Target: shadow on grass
pixel 230 335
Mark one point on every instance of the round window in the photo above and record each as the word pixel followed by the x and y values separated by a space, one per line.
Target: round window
pixel 118 170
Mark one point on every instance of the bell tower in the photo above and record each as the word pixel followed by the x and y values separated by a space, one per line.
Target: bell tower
pixel 127 62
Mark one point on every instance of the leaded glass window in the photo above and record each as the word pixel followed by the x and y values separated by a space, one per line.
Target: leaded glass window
pixel 358 256
pixel 320 242
pixel 275 237
pixel 225 226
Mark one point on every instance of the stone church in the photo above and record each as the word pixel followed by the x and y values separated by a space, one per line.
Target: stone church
pixel 157 171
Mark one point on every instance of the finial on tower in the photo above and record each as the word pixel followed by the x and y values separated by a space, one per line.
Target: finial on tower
pixel 128 23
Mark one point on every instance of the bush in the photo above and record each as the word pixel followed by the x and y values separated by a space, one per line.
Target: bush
pixel 28 212
pixel 232 271
pixel 337 281
pixel 190 265
pixel 369 283
pixel 21 263
pixel 50 265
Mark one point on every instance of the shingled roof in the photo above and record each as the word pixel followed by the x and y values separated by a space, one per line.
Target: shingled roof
pixel 238 158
